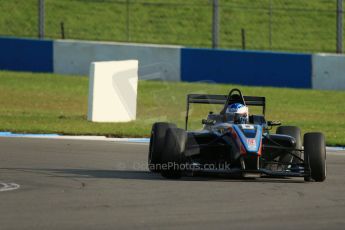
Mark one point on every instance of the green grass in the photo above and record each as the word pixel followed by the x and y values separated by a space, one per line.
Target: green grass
pixel 297 25
pixel 47 103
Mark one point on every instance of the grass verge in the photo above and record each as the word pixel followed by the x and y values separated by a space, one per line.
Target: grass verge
pixel 48 103
pixel 290 25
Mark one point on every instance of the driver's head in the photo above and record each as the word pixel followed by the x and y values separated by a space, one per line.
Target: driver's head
pixel 239 111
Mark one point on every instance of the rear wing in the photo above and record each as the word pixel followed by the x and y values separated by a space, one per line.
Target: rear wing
pixel 222 99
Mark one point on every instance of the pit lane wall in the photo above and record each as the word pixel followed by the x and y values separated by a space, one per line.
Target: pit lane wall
pixel 328 71
pixel 26 55
pixel 161 62
pixel 175 63
pixel 155 61
pixel 247 67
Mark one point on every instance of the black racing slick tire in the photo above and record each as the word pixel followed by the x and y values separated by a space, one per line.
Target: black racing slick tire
pixel 156 148
pixel 172 156
pixel 315 156
pixel 294 132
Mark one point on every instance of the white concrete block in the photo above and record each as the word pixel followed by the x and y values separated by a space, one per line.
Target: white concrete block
pixel 155 61
pixel 328 71
pixel 113 91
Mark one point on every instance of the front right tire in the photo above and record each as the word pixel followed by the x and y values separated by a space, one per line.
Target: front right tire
pixel 156 148
pixel 172 156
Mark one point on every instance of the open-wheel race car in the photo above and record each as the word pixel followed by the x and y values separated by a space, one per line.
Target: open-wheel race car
pixel 233 142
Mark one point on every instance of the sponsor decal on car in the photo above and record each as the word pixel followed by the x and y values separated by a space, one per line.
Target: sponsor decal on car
pixel 246 126
pixel 251 142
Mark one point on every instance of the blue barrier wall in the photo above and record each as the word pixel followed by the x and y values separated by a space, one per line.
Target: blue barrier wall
pixel 26 55
pixel 221 66
pixel 247 67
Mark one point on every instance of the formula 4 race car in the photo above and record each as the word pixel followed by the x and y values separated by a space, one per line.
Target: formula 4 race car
pixel 236 143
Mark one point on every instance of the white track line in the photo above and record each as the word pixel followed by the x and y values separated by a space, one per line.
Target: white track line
pixel 8 186
pixel 336 153
pixel 90 138
pixel 123 140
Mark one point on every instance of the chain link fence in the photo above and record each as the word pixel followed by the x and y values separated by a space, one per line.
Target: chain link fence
pixel 284 25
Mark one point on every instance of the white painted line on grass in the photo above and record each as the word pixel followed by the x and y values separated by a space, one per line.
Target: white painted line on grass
pixel 8 186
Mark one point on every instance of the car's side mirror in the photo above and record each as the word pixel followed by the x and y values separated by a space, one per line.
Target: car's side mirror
pixel 273 123
pixel 208 122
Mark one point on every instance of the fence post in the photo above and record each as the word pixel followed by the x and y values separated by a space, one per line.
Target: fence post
pixel 215 24
pixel 41 15
pixel 243 33
pixel 127 20
pixel 339 26
pixel 270 26
pixel 62 27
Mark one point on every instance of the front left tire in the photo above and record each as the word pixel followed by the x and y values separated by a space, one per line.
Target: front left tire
pixel 294 132
pixel 315 156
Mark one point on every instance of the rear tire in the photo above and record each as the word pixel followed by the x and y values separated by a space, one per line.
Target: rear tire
pixel 172 156
pixel 294 132
pixel 157 144
pixel 315 156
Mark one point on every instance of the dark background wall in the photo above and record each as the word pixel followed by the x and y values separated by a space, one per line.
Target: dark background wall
pixel 26 55
pixel 247 67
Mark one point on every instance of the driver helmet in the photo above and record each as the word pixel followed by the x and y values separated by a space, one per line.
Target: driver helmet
pixel 239 111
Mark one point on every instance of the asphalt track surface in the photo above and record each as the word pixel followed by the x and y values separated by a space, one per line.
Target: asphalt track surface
pixel 70 184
